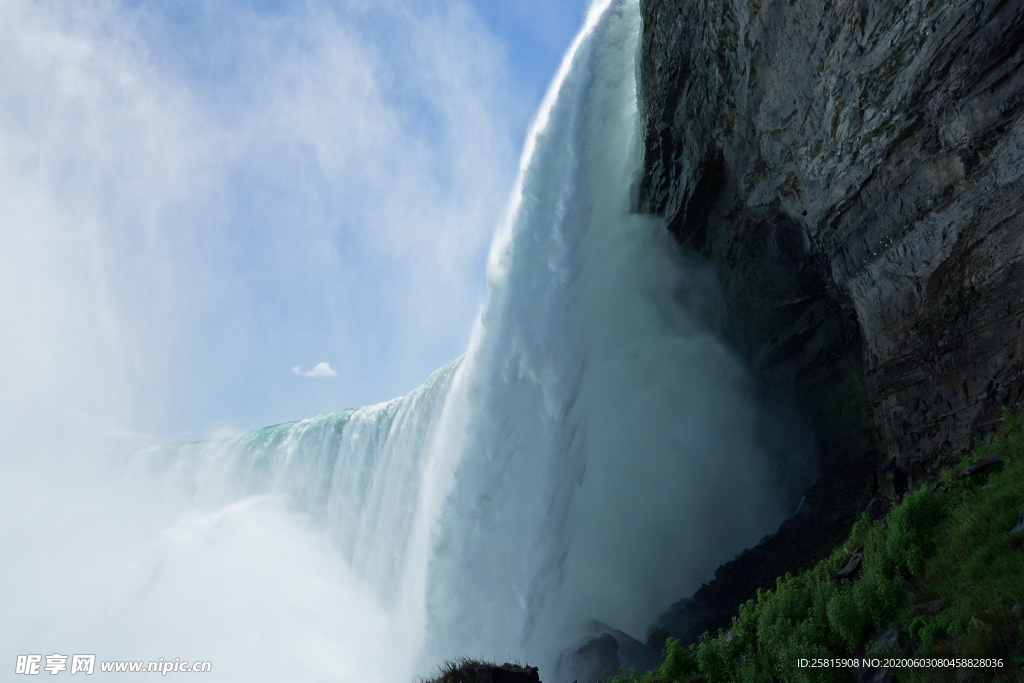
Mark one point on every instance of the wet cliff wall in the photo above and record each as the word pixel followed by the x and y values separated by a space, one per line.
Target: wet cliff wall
pixel 855 168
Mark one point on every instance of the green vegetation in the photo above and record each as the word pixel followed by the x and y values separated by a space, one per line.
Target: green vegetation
pixel 467 670
pixel 942 568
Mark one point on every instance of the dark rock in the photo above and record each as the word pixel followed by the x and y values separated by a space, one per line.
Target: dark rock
pixel 465 670
pixel 879 508
pixel 978 466
pixel 855 170
pixel 656 641
pixel 494 674
pixel 979 623
pixel 687 619
pixel 851 566
pixel 634 654
pixel 604 649
pixel 830 507
pixel 594 660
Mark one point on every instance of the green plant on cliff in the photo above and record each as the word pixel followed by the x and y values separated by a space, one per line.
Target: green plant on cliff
pixel 466 670
pixel 942 568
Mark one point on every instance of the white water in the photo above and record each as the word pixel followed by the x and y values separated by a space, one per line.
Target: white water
pixel 593 455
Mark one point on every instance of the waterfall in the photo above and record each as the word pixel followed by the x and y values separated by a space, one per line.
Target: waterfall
pixel 593 455
pixel 607 452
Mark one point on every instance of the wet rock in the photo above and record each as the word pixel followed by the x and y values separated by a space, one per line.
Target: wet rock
pixel 979 466
pixel 851 568
pixel 596 659
pixel 832 506
pixel 933 606
pixel 1017 611
pixel 634 654
pixel 855 170
pixel 602 653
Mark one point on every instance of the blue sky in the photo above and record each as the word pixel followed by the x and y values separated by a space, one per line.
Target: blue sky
pixel 203 195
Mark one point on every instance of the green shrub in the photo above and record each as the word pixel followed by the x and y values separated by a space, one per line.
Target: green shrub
pixel 951 544
pixel 464 670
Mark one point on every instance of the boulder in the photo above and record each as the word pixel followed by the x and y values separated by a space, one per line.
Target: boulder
pixel 602 653
pixel 596 659
pixel 852 565
pixel 979 466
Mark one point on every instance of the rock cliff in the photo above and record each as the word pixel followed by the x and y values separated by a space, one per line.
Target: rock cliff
pixel 855 169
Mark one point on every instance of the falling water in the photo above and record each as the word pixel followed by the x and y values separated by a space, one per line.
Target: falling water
pixel 592 456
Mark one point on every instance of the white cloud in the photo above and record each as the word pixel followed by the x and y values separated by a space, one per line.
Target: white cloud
pixel 321 370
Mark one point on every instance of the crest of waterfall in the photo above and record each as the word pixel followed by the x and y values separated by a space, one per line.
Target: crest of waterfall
pixel 594 455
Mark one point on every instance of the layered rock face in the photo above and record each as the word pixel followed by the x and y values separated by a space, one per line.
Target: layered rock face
pixel 855 168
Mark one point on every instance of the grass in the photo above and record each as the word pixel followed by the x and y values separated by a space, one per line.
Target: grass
pixel 946 545
pixel 464 670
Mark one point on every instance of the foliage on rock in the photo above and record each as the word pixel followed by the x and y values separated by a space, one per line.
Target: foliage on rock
pixel 942 569
pixel 466 670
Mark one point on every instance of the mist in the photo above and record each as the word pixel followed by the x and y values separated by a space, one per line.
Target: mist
pixel 197 199
pixel 277 214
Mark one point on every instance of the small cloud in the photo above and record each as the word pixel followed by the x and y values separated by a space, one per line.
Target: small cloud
pixel 321 370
